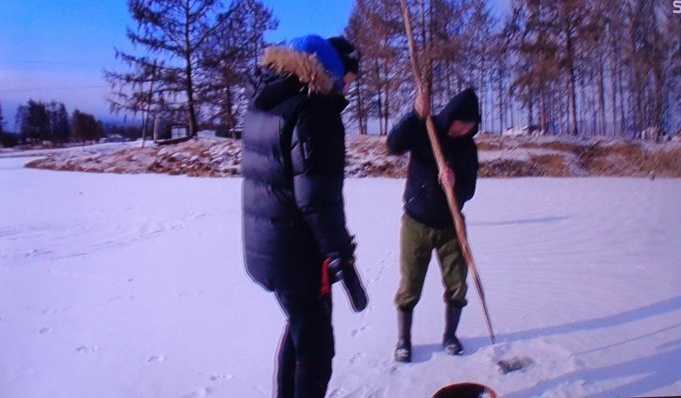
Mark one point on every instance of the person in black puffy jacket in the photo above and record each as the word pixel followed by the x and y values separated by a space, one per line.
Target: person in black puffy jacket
pixel 294 228
pixel 427 223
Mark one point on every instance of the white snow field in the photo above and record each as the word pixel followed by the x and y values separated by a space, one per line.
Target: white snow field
pixel 134 286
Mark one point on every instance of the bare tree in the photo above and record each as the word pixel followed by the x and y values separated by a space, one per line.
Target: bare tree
pixel 538 70
pixel 172 32
pixel 673 74
pixel 230 59
pixel 481 32
pixel 376 28
pixel 646 57
pixel 358 110
pixel 503 59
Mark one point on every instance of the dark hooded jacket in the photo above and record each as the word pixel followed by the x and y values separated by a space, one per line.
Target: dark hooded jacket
pixel 424 198
pixel 293 164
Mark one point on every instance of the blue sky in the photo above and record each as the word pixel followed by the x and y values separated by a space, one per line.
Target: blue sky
pixel 58 49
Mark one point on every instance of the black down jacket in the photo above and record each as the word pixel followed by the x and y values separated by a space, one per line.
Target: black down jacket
pixel 293 164
pixel 424 198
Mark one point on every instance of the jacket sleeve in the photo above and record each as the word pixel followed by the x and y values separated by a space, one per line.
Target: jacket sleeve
pixel 318 160
pixel 404 135
pixel 467 178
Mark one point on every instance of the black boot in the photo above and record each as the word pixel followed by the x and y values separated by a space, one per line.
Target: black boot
pixel 451 344
pixel 403 348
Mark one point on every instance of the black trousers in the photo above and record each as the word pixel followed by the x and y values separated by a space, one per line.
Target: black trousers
pixel 307 346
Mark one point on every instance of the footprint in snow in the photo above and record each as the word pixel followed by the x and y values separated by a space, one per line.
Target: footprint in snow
pixel 356 332
pixel 201 392
pixel 357 357
pixel 218 377
pixel 85 350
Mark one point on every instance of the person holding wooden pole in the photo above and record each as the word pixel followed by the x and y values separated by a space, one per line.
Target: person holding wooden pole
pixel 427 223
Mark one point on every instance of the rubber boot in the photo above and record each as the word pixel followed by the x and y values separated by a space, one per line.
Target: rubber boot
pixel 403 348
pixel 451 344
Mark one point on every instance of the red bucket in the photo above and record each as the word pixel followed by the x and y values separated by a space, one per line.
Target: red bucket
pixel 465 390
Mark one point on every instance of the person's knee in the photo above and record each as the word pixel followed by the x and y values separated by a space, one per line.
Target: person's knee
pixel 455 295
pixel 406 301
pixel 456 302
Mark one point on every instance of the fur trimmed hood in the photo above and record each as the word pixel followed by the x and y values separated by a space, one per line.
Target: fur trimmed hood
pixel 312 59
pixel 306 67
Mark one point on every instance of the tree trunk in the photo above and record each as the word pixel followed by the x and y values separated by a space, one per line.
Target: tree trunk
pixel 361 115
pixel 573 80
pixel 386 104
pixel 601 95
pixel 613 95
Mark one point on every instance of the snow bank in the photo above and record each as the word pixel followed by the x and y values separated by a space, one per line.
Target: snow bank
pixel 367 156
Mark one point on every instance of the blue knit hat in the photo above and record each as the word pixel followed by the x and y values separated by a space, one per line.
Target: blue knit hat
pixel 325 53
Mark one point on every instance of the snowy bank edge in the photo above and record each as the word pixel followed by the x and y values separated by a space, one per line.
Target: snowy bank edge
pixel 367 156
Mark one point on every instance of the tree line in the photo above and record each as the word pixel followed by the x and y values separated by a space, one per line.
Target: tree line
pixel 199 61
pixel 40 122
pixel 563 67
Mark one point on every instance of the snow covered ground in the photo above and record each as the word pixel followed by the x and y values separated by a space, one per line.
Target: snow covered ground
pixel 134 286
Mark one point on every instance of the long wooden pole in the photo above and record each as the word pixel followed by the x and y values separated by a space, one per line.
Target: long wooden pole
pixel 441 165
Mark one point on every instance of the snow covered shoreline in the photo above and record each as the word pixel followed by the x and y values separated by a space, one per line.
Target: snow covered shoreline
pixel 367 157
pixel 133 285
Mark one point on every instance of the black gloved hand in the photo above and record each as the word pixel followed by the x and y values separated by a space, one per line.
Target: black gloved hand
pixel 342 268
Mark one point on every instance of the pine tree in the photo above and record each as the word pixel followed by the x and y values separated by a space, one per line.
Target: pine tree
pixel 33 121
pixel 59 120
pixel 86 127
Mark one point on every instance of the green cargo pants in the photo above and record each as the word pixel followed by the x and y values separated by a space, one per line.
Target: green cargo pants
pixel 417 243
